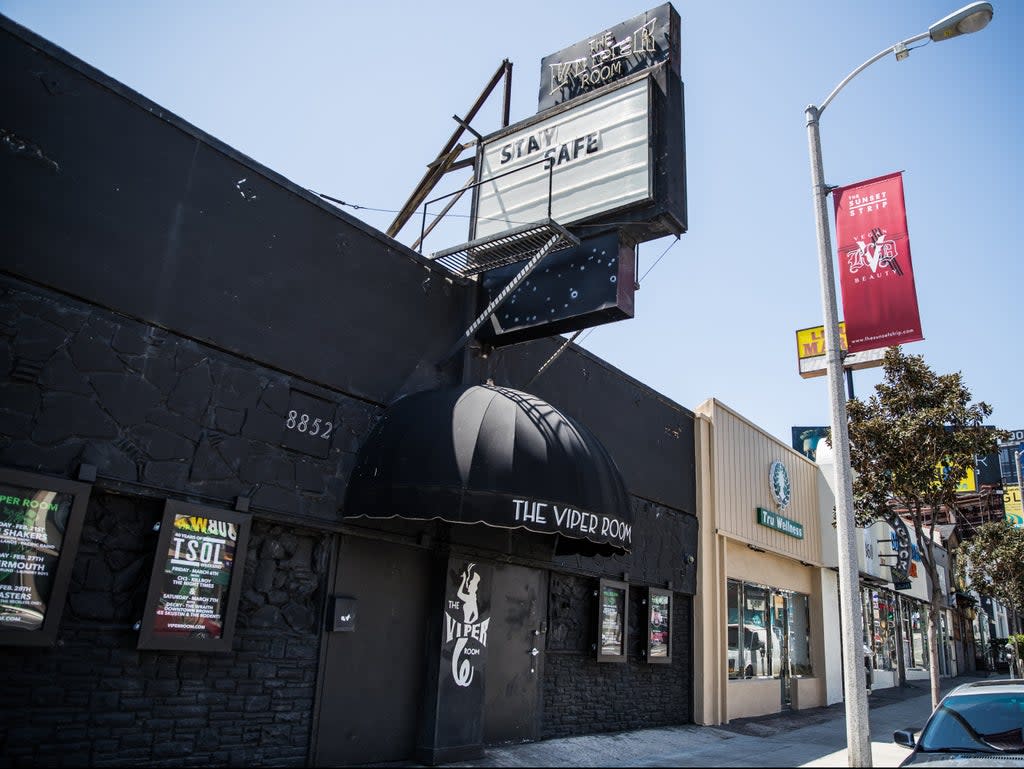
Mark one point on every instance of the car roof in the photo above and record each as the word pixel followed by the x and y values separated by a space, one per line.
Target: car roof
pixel 990 686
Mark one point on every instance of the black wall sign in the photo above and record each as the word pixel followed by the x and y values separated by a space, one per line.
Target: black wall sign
pixel 196 579
pixel 40 525
pixel 610 55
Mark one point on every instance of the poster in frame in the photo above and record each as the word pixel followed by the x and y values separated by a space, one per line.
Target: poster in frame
pixel 659 626
pixel 196 580
pixel 612 620
pixel 40 528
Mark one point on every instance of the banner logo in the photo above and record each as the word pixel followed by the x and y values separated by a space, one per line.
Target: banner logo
pixel 874 253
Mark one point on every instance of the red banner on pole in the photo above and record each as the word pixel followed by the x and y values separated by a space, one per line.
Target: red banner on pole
pixel 875 272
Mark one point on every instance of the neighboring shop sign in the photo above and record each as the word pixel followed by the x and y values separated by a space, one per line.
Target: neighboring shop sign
pixel 782 492
pixel 40 525
pixel 899 539
pixel 780 523
pixel 1012 508
pixel 612 613
pixel 196 579
pixel 778 479
pixel 811 358
pixel 659 625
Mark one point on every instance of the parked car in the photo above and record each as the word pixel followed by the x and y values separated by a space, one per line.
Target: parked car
pixel 977 724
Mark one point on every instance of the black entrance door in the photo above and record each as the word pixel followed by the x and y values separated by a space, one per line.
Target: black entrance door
pixel 515 655
pixel 373 676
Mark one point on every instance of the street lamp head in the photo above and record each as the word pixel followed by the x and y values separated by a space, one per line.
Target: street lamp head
pixel 968 19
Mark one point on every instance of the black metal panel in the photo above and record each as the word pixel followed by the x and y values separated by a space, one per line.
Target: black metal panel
pixel 571 289
pixel 514 672
pixel 373 676
pixel 109 198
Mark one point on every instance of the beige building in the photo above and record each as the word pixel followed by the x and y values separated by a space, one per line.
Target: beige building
pixel 766 605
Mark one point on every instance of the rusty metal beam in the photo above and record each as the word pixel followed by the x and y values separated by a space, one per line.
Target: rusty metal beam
pixel 445 158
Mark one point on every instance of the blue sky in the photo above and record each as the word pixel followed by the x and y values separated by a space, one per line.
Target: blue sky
pixel 354 99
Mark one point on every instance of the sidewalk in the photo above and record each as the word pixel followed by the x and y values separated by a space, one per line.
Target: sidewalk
pixel 814 737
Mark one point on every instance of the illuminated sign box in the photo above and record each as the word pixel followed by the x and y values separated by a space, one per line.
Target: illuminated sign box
pixel 659 626
pixel 613 54
pixel 196 580
pixel 600 153
pixel 612 621
pixel 40 526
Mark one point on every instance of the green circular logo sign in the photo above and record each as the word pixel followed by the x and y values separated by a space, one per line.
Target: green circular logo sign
pixel 778 477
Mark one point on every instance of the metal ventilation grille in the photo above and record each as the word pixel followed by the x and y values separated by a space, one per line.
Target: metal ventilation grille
pixel 508 247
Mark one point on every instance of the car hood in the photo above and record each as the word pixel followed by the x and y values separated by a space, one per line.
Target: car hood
pixel 966 759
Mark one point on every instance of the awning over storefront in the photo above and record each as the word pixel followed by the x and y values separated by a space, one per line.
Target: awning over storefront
pixel 496 456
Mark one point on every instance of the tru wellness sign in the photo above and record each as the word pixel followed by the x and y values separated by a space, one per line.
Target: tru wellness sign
pixel 875 271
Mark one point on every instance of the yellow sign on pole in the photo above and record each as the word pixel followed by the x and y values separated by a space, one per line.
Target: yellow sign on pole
pixel 810 352
pixel 1012 506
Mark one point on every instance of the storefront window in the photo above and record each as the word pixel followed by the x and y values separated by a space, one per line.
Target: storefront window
pixel 880 624
pixel 800 635
pixel 915 633
pixel 768 629
pixel 735 654
pixel 755 625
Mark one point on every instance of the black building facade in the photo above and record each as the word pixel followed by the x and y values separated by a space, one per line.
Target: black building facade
pixel 174 321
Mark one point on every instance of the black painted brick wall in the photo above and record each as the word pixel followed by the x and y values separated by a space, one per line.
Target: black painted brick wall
pixel 94 700
pixel 583 696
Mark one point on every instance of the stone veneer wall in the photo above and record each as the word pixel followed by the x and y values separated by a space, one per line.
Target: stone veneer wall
pixel 148 408
pixel 584 696
pixel 95 700
pixel 159 417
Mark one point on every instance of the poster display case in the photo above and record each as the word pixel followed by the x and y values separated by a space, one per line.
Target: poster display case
pixel 613 606
pixel 659 626
pixel 196 579
pixel 40 526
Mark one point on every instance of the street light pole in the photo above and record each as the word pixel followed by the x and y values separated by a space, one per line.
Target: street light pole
pixel 970 18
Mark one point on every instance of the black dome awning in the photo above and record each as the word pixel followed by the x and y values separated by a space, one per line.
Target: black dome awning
pixel 497 456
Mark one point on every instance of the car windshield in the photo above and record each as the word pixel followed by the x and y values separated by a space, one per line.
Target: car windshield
pixel 987 722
